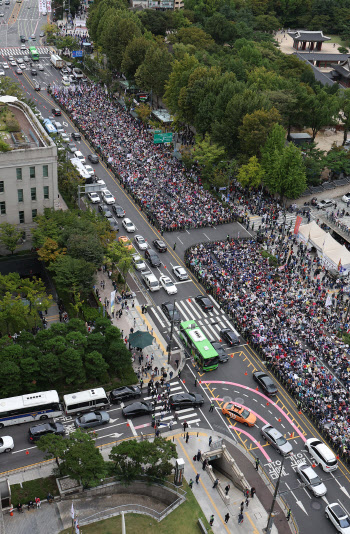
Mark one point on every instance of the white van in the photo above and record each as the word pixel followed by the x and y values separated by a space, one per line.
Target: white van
pixel 322 454
pixel 58 126
pixel 85 401
pixel 80 155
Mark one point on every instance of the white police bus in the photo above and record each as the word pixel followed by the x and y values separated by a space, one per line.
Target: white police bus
pixel 85 401
pixel 29 408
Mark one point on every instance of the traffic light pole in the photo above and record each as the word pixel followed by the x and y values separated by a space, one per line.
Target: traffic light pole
pixel 268 528
pixel 171 335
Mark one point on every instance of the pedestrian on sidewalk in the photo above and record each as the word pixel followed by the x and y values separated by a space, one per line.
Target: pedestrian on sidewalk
pixel 187 437
pixel 227 489
pixel 212 405
pixel 190 483
pixel 211 521
pixel 227 517
pixel 195 382
pixel 252 492
pixel 216 482
pixel 247 502
pixel 199 455
pixel 242 507
pixel 246 493
pixel 197 478
pixel 205 463
pixel 240 518
pixel 257 463
pixel 210 440
pixel 289 513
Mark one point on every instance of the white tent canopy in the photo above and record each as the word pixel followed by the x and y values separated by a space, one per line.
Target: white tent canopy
pixel 328 249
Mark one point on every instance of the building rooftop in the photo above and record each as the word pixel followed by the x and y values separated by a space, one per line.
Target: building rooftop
pixel 19 127
pixel 162 115
pixel 301 35
pixel 322 56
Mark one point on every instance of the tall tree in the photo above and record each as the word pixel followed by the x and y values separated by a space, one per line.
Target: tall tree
pixel 252 174
pixel 255 129
pixel 134 55
pixel 321 110
pixel 118 31
pixel 155 70
pixel 344 115
pixel 9 236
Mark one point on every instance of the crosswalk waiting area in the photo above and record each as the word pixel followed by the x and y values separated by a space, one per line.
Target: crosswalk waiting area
pixel 171 419
pixel 16 51
pixel 209 322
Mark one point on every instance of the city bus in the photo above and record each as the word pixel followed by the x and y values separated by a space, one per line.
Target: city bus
pixel 34 53
pixel 29 408
pixel 85 401
pixel 200 348
pixel 50 128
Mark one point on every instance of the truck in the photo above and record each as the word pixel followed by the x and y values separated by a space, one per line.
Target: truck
pixel 56 61
pixel 150 280
pixel 80 168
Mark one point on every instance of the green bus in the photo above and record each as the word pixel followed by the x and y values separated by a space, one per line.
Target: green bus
pixel 200 348
pixel 34 53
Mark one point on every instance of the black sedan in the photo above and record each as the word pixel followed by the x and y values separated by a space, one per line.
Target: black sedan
pixel 56 112
pixel 152 257
pixel 183 400
pixel 124 393
pixel 204 303
pixel 76 136
pixel 118 210
pixel 171 312
pixel 105 210
pixel 229 336
pixel 34 72
pixel 223 357
pixel 137 408
pixel 160 245
pixel 93 158
pixel 265 382
pixel 92 419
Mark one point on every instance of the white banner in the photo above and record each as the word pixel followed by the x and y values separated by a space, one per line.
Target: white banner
pixel 42 6
pixel 48 6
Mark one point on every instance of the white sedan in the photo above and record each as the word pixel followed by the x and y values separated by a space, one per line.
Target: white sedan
pixel 180 272
pixel 94 197
pixel 128 225
pixel 108 197
pixel 2 72
pixel 141 242
pixel 89 169
pixel 6 444
pixel 138 262
pixel 168 285
pixel 6 65
pixel 101 183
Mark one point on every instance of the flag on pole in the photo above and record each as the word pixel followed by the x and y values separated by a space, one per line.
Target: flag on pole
pixel 72 513
pixel 328 300
pixel 76 525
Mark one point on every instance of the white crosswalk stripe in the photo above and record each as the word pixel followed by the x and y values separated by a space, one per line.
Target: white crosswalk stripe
pixel 210 323
pixel 290 220
pixel 16 51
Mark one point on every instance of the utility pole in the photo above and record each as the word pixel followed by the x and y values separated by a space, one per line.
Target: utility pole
pixel 171 335
pixel 268 528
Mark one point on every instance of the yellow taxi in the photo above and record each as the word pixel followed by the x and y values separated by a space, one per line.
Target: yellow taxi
pixel 239 414
pixel 126 242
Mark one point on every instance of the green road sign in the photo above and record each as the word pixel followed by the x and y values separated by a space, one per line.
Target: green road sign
pixel 163 138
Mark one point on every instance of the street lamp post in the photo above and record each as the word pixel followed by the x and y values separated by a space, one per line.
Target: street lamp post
pixel 171 334
pixel 268 528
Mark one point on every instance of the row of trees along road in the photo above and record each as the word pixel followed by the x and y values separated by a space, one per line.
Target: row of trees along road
pixel 218 70
pixel 77 456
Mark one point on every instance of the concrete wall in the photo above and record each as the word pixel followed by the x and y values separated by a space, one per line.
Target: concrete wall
pixel 162 494
pixel 225 464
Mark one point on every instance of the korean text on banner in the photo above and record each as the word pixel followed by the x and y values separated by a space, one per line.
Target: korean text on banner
pixel 297 224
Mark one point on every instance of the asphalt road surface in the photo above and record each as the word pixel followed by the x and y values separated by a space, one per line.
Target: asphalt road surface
pixel 231 381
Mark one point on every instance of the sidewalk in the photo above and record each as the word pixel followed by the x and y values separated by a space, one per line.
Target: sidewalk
pixel 134 318
pixel 53 518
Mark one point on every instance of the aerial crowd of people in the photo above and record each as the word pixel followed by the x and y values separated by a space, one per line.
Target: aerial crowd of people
pixel 290 315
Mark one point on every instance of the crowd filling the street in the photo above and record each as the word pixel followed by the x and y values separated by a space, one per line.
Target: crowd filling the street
pixel 285 315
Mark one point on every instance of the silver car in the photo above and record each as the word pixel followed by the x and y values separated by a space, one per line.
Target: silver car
pixel 276 439
pixel 92 419
pixel 311 479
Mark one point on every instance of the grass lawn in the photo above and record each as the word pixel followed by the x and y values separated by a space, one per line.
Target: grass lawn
pixel 336 39
pixel 33 488
pixel 183 520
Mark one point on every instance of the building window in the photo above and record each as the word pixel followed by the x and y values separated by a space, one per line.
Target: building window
pixel 34 214
pixel 2 186
pixel 32 172
pixel 19 174
pixel 45 171
pixel 46 191
pixel 20 195
pixel 2 208
pixel 21 217
pixel 33 193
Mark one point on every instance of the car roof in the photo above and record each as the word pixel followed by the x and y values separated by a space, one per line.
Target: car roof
pixel 307 469
pixel 273 431
pixel 89 416
pixel 179 396
pixel 338 510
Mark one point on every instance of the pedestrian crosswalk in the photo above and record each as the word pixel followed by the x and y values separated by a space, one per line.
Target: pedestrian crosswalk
pixel 289 220
pixel 16 51
pixel 209 322
pixel 172 419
